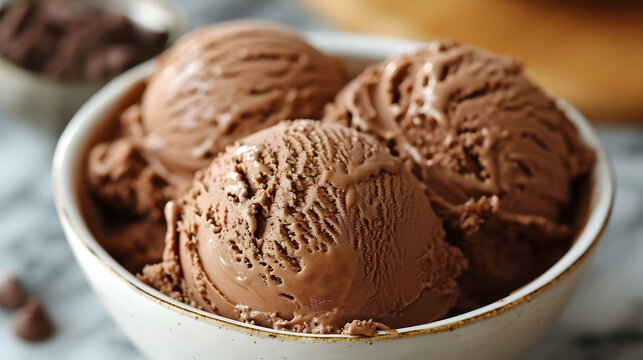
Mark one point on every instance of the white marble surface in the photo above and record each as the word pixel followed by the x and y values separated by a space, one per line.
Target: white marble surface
pixel 604 320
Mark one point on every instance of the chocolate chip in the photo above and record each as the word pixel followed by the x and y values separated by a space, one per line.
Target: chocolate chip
pixel 32 322
pixel 12 294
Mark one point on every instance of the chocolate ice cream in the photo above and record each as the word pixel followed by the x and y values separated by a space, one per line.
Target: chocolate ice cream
pixel 68 39
pixel 226 81
pixel 308 227
pixel 444 162
pixel 496 155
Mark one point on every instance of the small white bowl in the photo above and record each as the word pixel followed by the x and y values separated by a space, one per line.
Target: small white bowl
pixel 166 329
pixel 49 102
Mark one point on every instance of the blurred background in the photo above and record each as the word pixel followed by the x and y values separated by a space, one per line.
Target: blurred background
pixel 589 52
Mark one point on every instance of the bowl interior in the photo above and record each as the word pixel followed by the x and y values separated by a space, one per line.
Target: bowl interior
pixel 357 51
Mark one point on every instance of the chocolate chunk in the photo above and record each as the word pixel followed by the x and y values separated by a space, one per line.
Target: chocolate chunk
pixel 32 322
pixel 12 295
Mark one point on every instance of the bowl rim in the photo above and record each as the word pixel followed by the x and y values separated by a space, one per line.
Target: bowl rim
pixel 67 163
pixel 172 8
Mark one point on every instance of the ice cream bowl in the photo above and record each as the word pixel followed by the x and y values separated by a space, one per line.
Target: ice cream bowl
pixel 48 102
pixel 163 328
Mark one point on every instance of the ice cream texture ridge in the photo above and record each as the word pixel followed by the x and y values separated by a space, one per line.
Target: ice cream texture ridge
pixel 253 180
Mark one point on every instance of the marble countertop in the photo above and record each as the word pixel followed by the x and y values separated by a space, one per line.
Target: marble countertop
pixel 603 321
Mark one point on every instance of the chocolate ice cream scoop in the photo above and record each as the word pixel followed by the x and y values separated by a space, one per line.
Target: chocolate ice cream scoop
pixel 308 227
pixel 497 156
pixel 223 82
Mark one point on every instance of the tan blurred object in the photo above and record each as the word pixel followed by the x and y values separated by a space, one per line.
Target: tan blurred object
pixel 589 52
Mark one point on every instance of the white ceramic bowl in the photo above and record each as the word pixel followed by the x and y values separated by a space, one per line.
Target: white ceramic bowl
pixel 49 102
pixel 166 329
